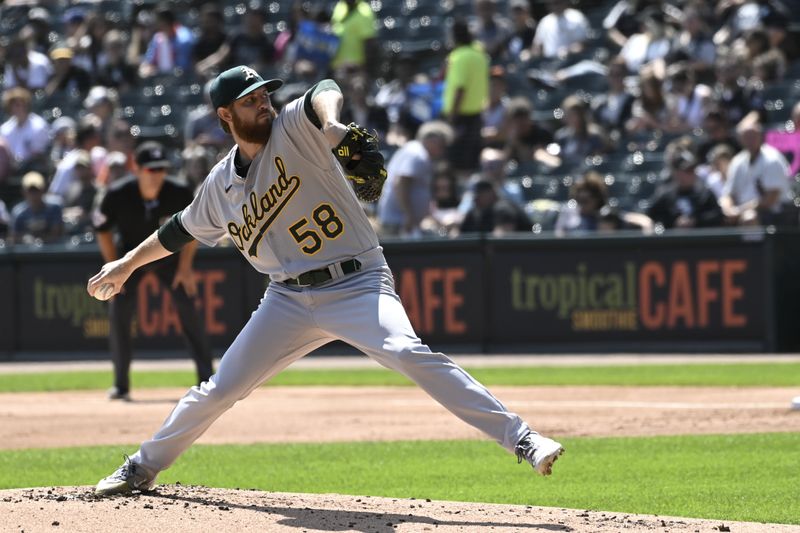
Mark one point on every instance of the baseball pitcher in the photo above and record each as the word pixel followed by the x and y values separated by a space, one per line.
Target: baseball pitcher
pixel 287 197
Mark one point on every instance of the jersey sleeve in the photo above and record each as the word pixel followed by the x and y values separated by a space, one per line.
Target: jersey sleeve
pixel 776 174
pixel 201 217
pixel 306 138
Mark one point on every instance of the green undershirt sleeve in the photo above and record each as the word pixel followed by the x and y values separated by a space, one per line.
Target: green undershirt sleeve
pixel 172 235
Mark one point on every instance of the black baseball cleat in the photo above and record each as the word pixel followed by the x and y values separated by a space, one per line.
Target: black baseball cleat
pixel 128 478
pixel 539 451
pixel 116 394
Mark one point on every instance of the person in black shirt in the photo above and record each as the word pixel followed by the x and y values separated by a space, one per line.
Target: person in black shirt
pixel 136 207
pixel 493 215
pixel 685 202
pixel 67 76
pixel 212 33
pixel 524 138
pixel 247 45
pixel 116 72
pixel 716 131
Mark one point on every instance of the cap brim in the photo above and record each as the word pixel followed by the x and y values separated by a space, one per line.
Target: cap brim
pixel 157 164
pixel 272 86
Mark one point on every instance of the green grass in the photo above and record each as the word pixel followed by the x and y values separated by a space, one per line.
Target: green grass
pixel 713 375
pixel 743 477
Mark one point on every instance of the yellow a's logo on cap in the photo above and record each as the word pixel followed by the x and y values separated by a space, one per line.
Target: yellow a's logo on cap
pixel 249 73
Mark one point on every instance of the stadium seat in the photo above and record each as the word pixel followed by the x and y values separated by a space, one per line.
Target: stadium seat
pixel 643 162
pixel 549 188
pixel 424 34
pixel 56 105
pixel 643 186
pixel 616 185
pixel 388 8
pixel 458 8
pixel 606 163
pixel 392 28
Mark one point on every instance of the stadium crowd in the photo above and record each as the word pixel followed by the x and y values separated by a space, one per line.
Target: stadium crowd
pixel 495 116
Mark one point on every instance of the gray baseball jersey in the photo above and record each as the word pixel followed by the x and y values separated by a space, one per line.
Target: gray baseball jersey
pixel 294 211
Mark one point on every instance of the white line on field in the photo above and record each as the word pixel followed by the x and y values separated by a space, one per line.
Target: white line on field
pixel 618 404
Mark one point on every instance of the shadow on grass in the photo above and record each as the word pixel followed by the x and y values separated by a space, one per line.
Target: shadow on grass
pixel 339 520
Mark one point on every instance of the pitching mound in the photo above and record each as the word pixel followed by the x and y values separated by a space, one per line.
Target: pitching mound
pixel 193 508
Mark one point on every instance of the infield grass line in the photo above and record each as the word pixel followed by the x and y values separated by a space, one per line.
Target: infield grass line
pixel 750 477
pixel 701 375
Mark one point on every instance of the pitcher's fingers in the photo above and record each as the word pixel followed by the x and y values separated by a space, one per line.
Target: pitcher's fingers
pixel 97 277
pixel 96 282
pixel 91 286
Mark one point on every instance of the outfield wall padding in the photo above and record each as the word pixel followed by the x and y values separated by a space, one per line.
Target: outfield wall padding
pixel 731 291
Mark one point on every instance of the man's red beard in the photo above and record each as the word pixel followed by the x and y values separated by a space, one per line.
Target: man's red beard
pixel 254 132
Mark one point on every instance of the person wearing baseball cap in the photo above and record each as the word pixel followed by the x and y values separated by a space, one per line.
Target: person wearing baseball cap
pixel 67 76
pixel 685 201
pixel 133 208
pixel 236 83
pixel 33 180
pixel 35 219
pixel 152 156
pixel 289 199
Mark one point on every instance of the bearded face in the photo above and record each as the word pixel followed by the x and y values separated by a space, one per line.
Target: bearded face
pixel 256 129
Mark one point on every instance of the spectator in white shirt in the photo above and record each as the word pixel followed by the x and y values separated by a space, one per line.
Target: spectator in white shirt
pixel 27 134
pixel 87 137
pixel 26 68
pixel 650 45
pixel 687 100
pixel 561 32
pixel 757 183
pixel 406 198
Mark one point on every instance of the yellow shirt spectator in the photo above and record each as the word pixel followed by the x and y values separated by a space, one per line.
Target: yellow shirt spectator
pixel 467 68
pixel 353 25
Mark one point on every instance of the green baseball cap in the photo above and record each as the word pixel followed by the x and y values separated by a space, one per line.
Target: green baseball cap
pixel 237 82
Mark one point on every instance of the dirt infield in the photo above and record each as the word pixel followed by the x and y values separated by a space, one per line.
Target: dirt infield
pixel 283 414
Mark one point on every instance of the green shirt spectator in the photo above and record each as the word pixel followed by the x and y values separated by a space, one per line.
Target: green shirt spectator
pixel 466 94
pixel 467 69
pixel 354 23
